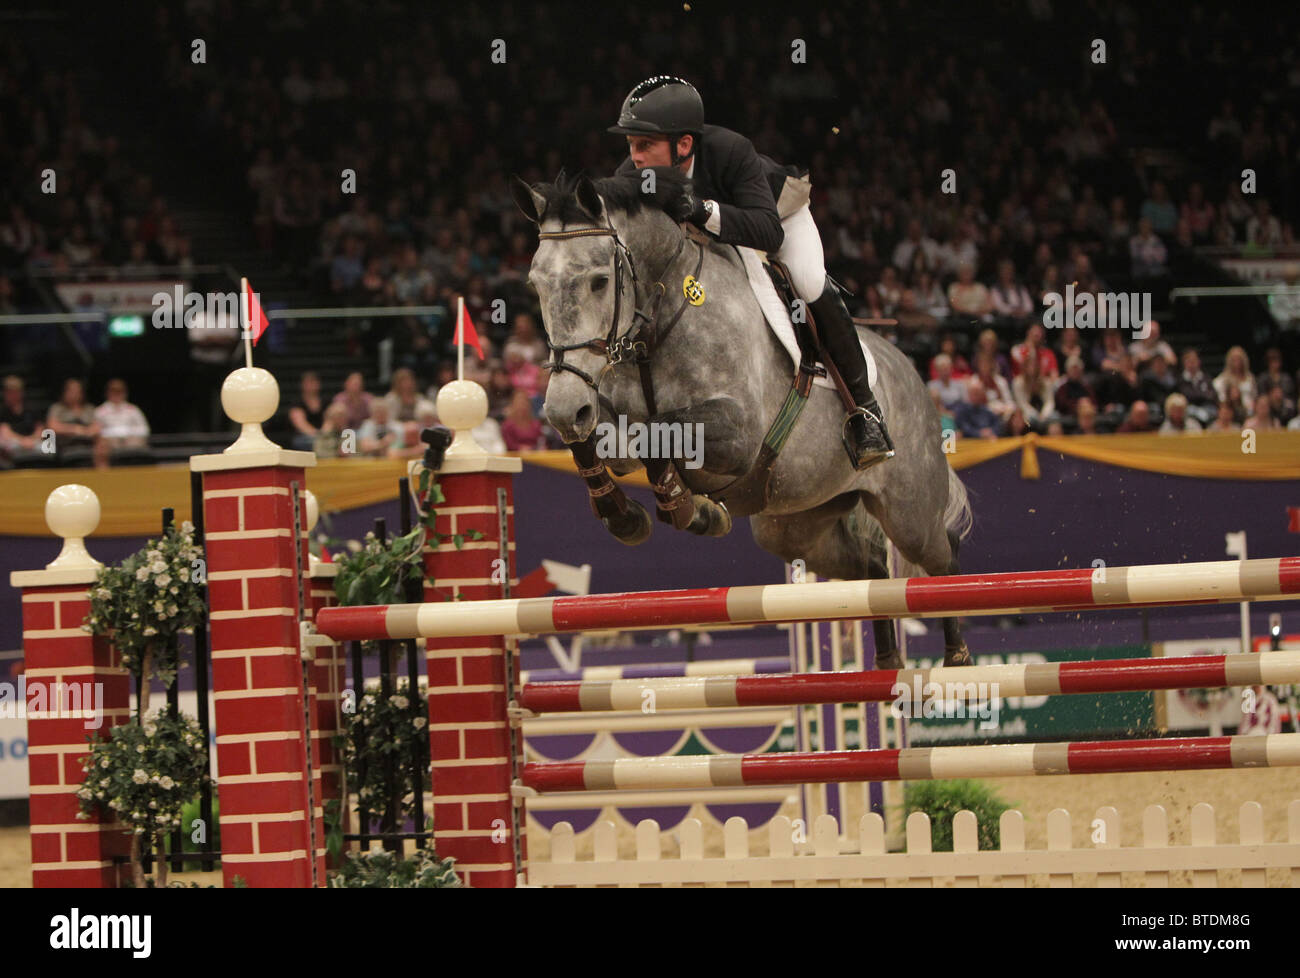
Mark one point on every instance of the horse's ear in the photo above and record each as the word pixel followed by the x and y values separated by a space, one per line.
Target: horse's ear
pixel 589 200
pixel 528 200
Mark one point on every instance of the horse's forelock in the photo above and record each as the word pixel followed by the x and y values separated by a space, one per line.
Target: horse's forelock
pixel 622 192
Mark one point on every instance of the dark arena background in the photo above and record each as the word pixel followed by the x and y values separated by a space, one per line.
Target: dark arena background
pixel 1076 222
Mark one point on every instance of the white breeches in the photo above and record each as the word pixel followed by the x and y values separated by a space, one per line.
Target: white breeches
pixel 801 252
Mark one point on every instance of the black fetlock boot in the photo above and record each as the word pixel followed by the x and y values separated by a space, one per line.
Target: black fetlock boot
pixel 865 437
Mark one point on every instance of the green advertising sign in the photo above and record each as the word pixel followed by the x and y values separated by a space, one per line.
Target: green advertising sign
pixel 1018 719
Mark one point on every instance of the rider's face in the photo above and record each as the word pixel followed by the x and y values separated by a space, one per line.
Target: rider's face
pixel 653 150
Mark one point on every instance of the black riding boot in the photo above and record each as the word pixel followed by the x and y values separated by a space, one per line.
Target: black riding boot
pixel 865 436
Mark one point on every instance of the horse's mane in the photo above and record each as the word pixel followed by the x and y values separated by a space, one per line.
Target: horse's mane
pixel 621 192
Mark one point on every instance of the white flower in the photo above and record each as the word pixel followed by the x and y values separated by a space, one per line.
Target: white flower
pixel 171 610
pixel 139 777
pixel 162 580
pixel 166 783
pixel 103 782
pixel 100 795
pixel 139 748
pixel 150 630
pixel 158 567
pixel 104 763
pixel 103 593
pixel 187 527
pixel 419 723
pixel 173 589
pixel 153 804
pixel 85 793
pixel 139 831
pixel 142 574
pixel 401 702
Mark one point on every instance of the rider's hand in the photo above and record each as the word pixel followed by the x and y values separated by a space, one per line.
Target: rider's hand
pixel 690 209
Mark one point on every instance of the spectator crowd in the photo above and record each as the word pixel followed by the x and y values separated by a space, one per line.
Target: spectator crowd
pixel 372 162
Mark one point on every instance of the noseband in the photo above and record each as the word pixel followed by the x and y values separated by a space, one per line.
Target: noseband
pixel 641 338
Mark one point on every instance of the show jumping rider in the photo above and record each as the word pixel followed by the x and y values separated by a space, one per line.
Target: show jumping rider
pixel 742 197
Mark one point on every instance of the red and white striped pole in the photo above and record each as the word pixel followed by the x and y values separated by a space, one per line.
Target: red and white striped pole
pixel 915 685
pixel 1030 592
pixel 916 764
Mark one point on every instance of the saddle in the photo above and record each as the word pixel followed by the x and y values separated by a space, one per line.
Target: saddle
pixel 805 333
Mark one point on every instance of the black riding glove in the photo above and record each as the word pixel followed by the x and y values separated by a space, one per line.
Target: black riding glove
pixel 690 209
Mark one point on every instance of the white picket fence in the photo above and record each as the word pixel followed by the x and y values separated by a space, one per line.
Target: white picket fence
pixel 826 864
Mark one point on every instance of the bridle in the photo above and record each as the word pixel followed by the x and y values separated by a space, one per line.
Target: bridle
pixel 641 338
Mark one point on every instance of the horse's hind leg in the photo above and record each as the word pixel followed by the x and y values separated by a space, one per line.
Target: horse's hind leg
pixel 838 539
pixel 888 655
pixel 955 652
pixel 935 552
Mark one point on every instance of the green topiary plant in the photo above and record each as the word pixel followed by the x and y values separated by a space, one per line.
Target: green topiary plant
pixel 143 604
pixel 387 734
pixel 144 773
pixel 941 800
pixel 379 870
pixel 146 769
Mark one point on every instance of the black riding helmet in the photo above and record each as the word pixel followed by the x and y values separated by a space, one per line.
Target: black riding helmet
pixel 665 106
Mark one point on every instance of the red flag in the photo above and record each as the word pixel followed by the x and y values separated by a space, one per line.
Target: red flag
pixel 470 334
pixel 1294 513
pixel 255 319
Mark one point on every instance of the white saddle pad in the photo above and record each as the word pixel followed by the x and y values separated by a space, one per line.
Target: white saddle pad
pixel 778 316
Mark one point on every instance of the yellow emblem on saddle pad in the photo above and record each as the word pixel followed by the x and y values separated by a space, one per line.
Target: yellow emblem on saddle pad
pixel 693 290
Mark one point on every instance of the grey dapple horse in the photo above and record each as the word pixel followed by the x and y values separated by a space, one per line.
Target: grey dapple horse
pixel 722 367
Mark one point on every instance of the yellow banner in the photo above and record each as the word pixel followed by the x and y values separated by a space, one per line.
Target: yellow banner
pixel 132 498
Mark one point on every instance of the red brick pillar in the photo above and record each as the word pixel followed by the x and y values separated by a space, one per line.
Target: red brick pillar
pixel 271 828
pixel 68 851
pixel 472 745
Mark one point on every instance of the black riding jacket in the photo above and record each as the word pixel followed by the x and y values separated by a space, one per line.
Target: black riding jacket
pixel 745 184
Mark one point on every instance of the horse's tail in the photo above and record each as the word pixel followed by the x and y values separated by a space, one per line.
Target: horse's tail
pixel 957 515
pixel 957 518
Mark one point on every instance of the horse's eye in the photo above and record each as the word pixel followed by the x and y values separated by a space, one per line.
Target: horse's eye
pixel 599 282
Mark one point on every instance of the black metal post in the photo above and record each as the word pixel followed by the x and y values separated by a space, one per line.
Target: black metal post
pixel 359 690
pixel 413 593
pixel 207 859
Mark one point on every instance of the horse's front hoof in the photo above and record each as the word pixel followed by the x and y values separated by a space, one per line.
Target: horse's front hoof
pixel 890 660
pixel 711 519
pixel 958 657
pixel 632 527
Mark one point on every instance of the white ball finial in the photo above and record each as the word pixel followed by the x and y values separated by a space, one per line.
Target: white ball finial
pixel 462 407
pixel 250 396
pixel 72 512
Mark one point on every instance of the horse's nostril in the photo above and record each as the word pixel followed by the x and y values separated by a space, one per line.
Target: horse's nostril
pixel 583 416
